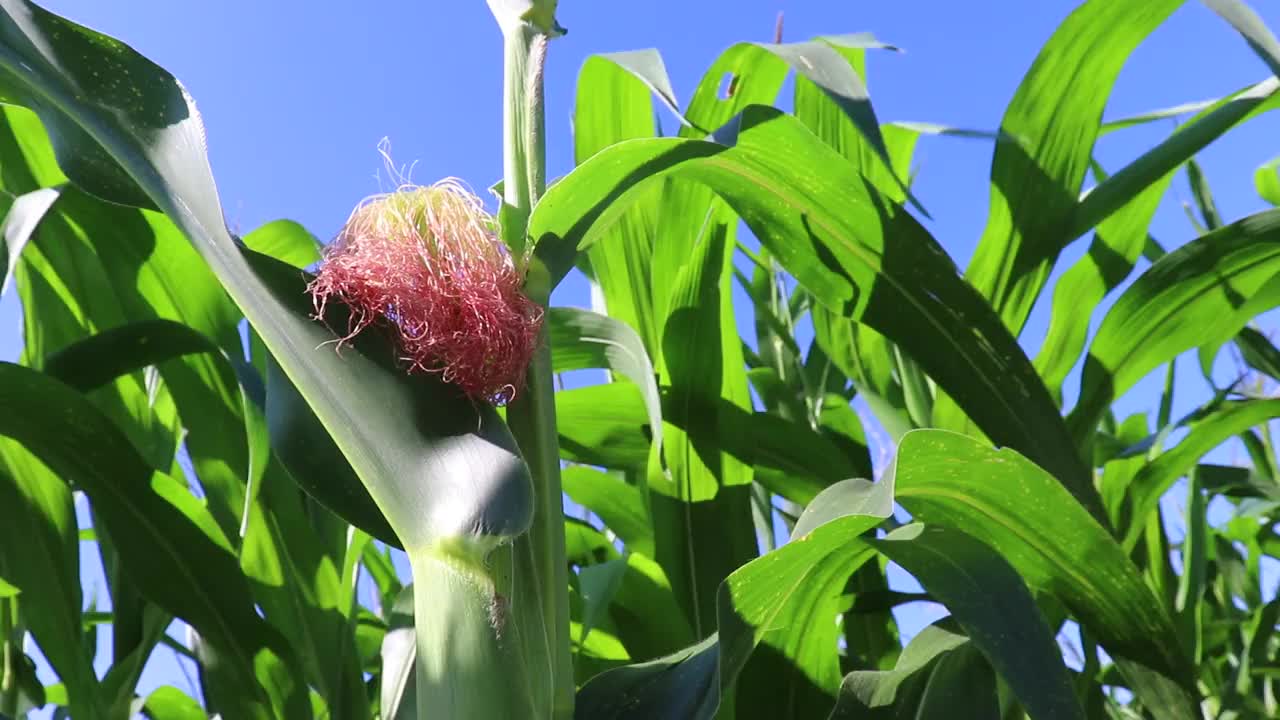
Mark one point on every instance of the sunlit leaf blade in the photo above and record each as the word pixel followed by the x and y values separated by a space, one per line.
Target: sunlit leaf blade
pixel 171 548
pixel 701 509
pixel 1122 233
pixel 398 692
pixel 1267 180
pixel 40 555
pixel 1259 353
pixel 24 213
pixel 1048 132
pixel 1000 498
pixel 169 703
pixel 1121 187
pixel 1201 293
pixel 1203 435
pixel 140 141
pixel 582 339
pixel 621 263
pixel 605 425
pixel 1250 26
pixel 619 505
pixel 851 250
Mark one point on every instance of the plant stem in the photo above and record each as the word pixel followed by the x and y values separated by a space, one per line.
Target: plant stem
pixel 540 564
pixel 463 657
pixel 9 654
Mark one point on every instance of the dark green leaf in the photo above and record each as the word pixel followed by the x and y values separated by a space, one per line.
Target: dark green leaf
pixel 988 599
pixel 177 557
pixel 1005 501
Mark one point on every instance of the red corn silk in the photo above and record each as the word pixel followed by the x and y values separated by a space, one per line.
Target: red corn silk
pixel 424 263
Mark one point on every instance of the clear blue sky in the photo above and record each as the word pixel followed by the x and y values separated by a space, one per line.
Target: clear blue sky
pixel 296 96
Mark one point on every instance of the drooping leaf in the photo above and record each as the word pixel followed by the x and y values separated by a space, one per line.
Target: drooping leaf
pixel 1204 434
pixel 899 692
pixel 1267 180
pixel 178 558
pixel 862 258
pixel 22 216
pixel 1217 282
pixel 39 554
pixel 1122 207
pixel 988 599
pixel 1047 138
pixel 943 478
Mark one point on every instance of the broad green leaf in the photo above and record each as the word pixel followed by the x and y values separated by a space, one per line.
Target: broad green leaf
pixel 783 601
pixel 603 425
pixel 178 558
pixel 900 692
pixel 606 425
pixel 40 555
pixel 286 241
pixel 583 339
pixel 680 685
pixel 1203 435
pixel 1047 138
pixel 1131 180
pixel 398 691
pixel 22 216
pixel 860 257
pixel 140 141
pixel 1250 26
pixel 621 262
pixel 1267 180
pixel 619 504
pixel 1000 498
pixel 169 703
pixel 988 599
pixel 647 617
pixel 1122 233
pixel 701 508
pixel 296 583
pixel 1258 352
pixel 101 358
pixel 1203 292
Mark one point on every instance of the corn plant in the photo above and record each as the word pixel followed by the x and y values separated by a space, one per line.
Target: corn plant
pixel 394 389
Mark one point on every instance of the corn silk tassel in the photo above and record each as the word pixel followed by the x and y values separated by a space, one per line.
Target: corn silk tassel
pixel 424 265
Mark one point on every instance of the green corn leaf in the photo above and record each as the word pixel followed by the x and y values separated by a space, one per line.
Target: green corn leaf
pixel 1203 435
pixel 1219 281
pixel 169 703
pixel 989 600
pixel 40 556
pixel 920 673
pixel 1122 233
pixel 161 555
pixel 1267 180
pixel 862 258
pixel 621 262
pixel 619 505
pixel 1131 180
pixel 22 215
pixel 1048 132
pixel 1017 509
pixel 101 358
pixel 701 511
pixel 1255 32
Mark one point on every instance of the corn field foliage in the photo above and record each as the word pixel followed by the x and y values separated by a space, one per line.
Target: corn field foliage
pixel 728 551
